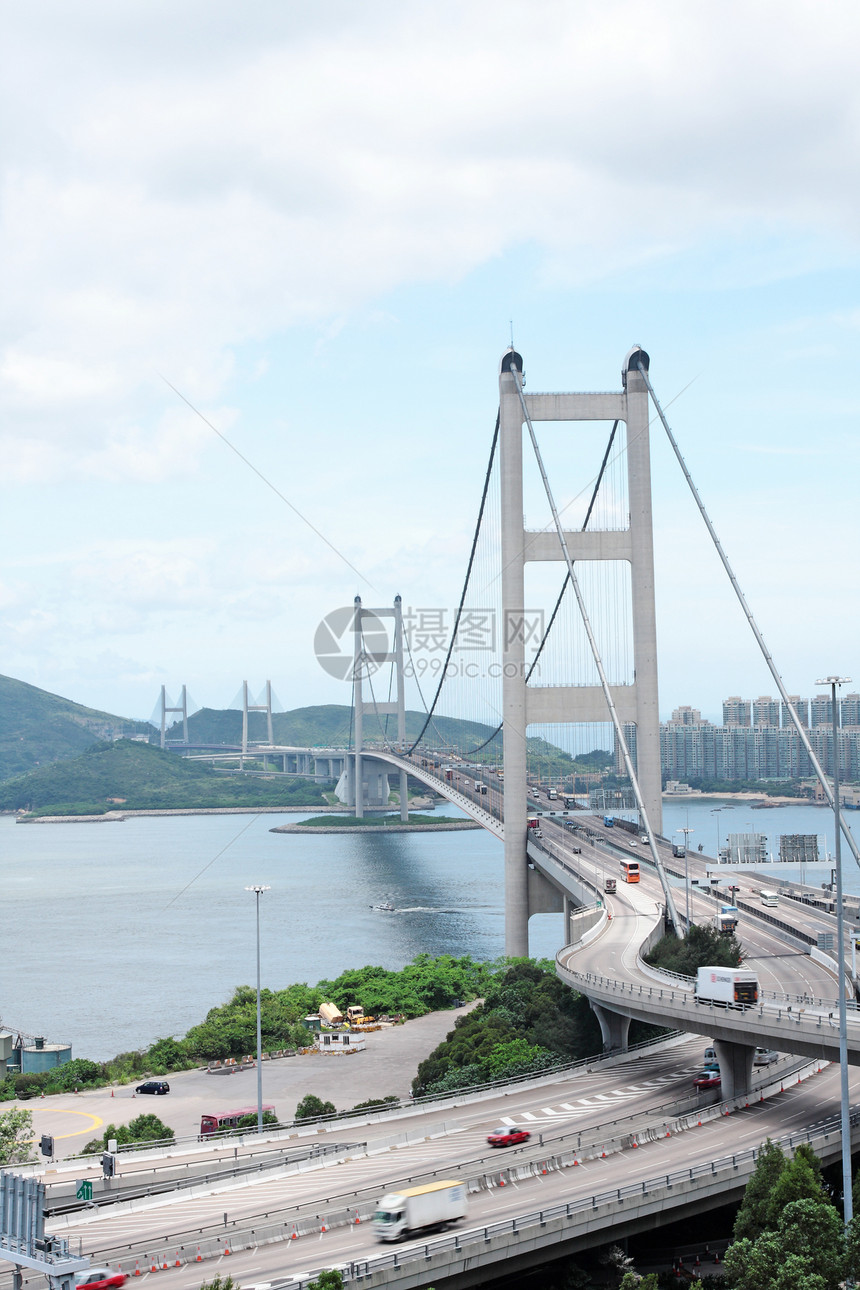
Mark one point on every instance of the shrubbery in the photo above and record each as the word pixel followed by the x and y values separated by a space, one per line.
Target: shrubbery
pixel 146 1128
pixel 702 947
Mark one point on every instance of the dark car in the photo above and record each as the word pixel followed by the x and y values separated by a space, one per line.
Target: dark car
pixel 507 1137
pixel 157 1086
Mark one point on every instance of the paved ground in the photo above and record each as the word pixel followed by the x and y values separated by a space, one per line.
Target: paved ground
pixel 388 1065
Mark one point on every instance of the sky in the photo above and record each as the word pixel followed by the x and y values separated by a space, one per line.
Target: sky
pixel 318 225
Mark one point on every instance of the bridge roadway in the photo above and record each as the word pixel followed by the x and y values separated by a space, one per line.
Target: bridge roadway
pixel 797 1009
pixel 598 1106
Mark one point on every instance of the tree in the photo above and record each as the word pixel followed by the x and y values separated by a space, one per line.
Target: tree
pixel 250 1121
pixel 752 1217
pixel 145 1128
pixel 805 1252
pixel 797 1181
pixel 311 1108
pixel 330 1280
pixel 16 1132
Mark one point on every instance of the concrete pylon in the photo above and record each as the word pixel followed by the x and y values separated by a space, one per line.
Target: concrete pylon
pixel 181 709
pixel 571 704
pixel 368 656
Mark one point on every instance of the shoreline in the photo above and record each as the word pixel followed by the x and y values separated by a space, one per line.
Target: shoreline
pixel 698 796
pixel 117 817
pixel 378 828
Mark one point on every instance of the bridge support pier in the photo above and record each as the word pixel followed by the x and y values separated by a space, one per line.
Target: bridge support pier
pixel 736 1067
pixel 614 1028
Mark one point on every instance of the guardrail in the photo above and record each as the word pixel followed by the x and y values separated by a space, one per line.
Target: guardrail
pixel 202 1243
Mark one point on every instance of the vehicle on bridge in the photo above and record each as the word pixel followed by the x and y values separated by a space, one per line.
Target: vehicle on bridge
pixel 223 1120
pixel 707 1079
pixel 769 897
pixel 101 1277
pixel 508 1136
pixel 608 822
pixel 726 920
pixel 629 870
pixel 727 987
pixel 764 1057
pixel 434 1204
pixel 609 884
pixel 679 852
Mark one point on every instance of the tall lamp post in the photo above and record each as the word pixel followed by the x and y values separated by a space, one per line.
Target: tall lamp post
pixel 686 832
pixel 847 1198
pixel 716 811
pixel 258 891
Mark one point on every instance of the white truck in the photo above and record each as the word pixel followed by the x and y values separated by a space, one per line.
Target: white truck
pixel 727 987
pixel 726 920
pixel 415 1208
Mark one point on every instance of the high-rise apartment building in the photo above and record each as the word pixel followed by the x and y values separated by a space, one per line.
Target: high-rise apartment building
pixel 801 707
pixel 850 710
pixel 765 711
pixel 821 710
pixel 736 711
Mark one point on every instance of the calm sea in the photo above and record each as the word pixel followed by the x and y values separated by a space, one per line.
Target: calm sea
pixel 119 933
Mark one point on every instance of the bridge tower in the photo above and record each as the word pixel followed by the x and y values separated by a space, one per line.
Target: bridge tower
pixel 525 705
pixel 371 649
pixel 181 710
pixel 255 707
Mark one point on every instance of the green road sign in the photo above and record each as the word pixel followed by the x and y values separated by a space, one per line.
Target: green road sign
pixel 85 1190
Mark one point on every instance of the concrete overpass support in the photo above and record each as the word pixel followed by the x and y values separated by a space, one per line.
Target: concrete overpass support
pixel 614 1028
pixel 736 1067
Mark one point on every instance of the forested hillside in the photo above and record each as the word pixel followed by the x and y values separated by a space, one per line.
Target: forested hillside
pixel 37 727
pixel 139 777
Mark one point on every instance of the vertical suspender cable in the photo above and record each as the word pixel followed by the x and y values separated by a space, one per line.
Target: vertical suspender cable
pixel 598 663
pixel 804 737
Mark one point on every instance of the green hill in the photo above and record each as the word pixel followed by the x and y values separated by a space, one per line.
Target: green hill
pixel 144 778
pixel 328 725
pixel 37 728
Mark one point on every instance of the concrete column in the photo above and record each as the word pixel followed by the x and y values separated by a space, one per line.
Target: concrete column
pixel 614 1028
pixel 269 713
pixel 736 1067
pixel 358 708
pixel 642 591
pixel 513 658
pixel 568 907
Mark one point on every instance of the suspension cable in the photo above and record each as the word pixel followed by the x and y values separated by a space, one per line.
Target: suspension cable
pixel 598 662
pixel 432 708
pixel 768 658
pixel 471 751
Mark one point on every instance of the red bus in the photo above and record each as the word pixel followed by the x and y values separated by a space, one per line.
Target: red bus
pixel 630 870
pixel 229 1119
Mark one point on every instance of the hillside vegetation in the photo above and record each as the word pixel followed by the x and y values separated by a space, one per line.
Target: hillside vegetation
pixel 144 778
pixel 37 727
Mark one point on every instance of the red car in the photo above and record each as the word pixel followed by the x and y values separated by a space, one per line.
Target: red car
pixel 99 1278
pixel 508 1137
pixel 707 1079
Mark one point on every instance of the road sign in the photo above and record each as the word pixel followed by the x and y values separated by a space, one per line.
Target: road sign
pixel 825 940
pixel 85 1189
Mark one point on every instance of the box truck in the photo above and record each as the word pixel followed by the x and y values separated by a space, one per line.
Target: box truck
pixel 728 987
pixel 726 920
pixel 415 1208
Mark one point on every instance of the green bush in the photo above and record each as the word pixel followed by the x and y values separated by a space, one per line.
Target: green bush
pixel 313 1108
pixel 702 947
pixel 145 1128
pixel 250 1121
pixel 374 1103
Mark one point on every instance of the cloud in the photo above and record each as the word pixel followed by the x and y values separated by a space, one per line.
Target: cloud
pixel 168 201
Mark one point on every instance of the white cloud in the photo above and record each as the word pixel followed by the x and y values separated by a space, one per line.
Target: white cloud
pixel 167 200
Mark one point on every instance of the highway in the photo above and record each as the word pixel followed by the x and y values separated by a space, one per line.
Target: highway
pixel 557 1112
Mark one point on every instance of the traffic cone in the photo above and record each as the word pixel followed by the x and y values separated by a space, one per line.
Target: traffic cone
pixel 294 1235
pixel 178 1263
pixel 635 1143
pixel 154 1267
pixel 501 1181
pixel 716 1256
pixel 199 1258
pixel 164 1264
pixel 111 1092
pixel 137 1271
pixel 226 1249
pixel 322 1228
pixel 357 1219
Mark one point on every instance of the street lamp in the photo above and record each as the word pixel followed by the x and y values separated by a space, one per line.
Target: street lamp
pixel 686 832
pixel 258 891
pixel 716 811
pixel 847 1199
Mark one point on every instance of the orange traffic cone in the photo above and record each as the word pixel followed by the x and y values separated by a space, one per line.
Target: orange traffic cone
pixel 199 1258
pixel 178 1263
pixel 137 1271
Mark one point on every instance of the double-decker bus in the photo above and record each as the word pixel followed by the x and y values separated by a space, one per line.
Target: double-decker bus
pixel 223 1120
pixel 629 870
